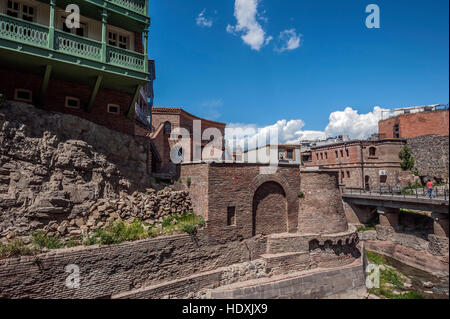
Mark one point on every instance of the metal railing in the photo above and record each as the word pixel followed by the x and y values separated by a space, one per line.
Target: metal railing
pixel 439 192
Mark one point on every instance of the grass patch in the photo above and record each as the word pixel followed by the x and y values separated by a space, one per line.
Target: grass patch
pixel 365 228
pixel 389 278
pixel 15 248
pixel 117 233
pixel 41 240
pixel 375 258
pixel 187 222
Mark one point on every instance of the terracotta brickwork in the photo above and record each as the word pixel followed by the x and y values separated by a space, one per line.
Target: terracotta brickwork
pixel 416 124
pixel 56 98
pixel 178 118
pixel 362 164
pixel 263 203
pixel 321 209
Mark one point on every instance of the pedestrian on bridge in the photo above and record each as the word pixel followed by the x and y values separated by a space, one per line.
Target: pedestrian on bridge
pixel 430 188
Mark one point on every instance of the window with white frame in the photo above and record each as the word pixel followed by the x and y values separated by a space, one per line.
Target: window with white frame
pixel 113 109
pixel 22 11
pixel 72 102
pixel 118 39
pixel 23 95
pixel 81 31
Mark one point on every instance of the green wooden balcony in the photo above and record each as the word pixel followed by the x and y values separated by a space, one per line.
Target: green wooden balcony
pixel 138 6
pixel 38 36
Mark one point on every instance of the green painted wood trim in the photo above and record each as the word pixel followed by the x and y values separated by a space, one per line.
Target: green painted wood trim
pixel 47 73
pixel 51 25
pixel 133 101
pixel 94 93
pixel 104 21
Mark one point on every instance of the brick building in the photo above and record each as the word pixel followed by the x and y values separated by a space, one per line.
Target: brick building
pixel 284 153
pixel 95 71
pixel 362 164
pixel 166 120
pixel 414 122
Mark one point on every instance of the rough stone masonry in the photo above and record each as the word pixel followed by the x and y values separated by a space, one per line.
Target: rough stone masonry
pixel 65 174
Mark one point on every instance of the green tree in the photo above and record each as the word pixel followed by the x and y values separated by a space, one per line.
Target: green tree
pixel 407 158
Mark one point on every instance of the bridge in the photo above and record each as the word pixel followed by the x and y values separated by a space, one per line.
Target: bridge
pixel 388 202
pixel 415 199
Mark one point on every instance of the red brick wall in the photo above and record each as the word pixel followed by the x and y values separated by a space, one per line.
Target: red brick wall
pixel 417 124
pixel 321 209
pixel 216 187
pixel 58 90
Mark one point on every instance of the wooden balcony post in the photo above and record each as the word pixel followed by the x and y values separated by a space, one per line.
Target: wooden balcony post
pixel 51 25
pixel 146 50
pixel 104 21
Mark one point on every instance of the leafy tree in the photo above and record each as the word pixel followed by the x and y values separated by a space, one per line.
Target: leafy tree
pixel 407 158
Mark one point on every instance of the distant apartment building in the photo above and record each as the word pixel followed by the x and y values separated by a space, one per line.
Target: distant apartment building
pixel 282 153
pixel 415 121
pixel 95 71
pixel 166 120
pixel 362 164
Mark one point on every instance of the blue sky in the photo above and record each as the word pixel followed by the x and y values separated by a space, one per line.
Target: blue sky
pixel 333 62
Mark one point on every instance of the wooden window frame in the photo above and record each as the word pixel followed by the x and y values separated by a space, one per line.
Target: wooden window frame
pixel 114 105
pixel 66 104
pixel 16 98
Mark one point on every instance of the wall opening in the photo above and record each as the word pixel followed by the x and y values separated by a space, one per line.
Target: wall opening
pixel 269 209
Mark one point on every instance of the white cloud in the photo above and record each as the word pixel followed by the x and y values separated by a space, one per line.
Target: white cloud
pixel 350 122
pixel 347 122
pixel 288 40
pixel 246 14
pixel 285 132
pixel 203 21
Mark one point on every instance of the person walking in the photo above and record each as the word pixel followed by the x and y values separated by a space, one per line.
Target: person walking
pixel 430 188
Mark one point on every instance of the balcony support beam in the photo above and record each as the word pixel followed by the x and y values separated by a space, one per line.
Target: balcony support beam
pixel 130 113
pixel 46 79
pixel 146 50
pixel 51 25
pixel 104 21
pixel 98 81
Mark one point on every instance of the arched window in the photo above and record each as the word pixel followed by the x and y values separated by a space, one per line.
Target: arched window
pixel 372 151
pixel 167 127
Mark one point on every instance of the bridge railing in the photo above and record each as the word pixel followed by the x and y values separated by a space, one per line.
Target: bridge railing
pixel 438 192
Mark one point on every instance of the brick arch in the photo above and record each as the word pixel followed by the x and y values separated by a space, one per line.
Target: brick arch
pixel 289 216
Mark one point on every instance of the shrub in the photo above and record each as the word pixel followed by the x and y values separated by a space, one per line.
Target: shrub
pixel 407 158
pixel 42 240
pixel 189 228
pixel 301 195
pixel 188 181
pixel 118 232
pixel 14 248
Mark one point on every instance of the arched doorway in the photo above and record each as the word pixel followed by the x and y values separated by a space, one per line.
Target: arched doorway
pixel 269 213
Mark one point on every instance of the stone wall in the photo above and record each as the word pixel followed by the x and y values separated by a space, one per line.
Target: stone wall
pixel 111 270
pixel 219 188
pixel 55 165
pixel 431 155
pixel 321 209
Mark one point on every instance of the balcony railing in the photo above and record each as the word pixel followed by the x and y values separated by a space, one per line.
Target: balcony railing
pixel 23 31
pixel 78 46
pixel 38 36
pixel 132 5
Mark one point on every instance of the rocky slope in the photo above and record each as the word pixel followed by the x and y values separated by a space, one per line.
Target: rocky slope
pixel 57 171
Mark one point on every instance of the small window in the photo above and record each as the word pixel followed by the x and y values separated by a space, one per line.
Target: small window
pixel 72 102
pixel 326 155
pixel 346 152
pixel 342 153
pixel 118 40
pixel 81 31
pixel 348 174
pixel 383 179
pixel 337 154
pixel 231 216
pixel 396 131
pixel 290 154
pixel 317 156
pixel 167 127
pixel 113 109
pixel 13 9
pixel 23 95
pixel 27 13
pixel 372 151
